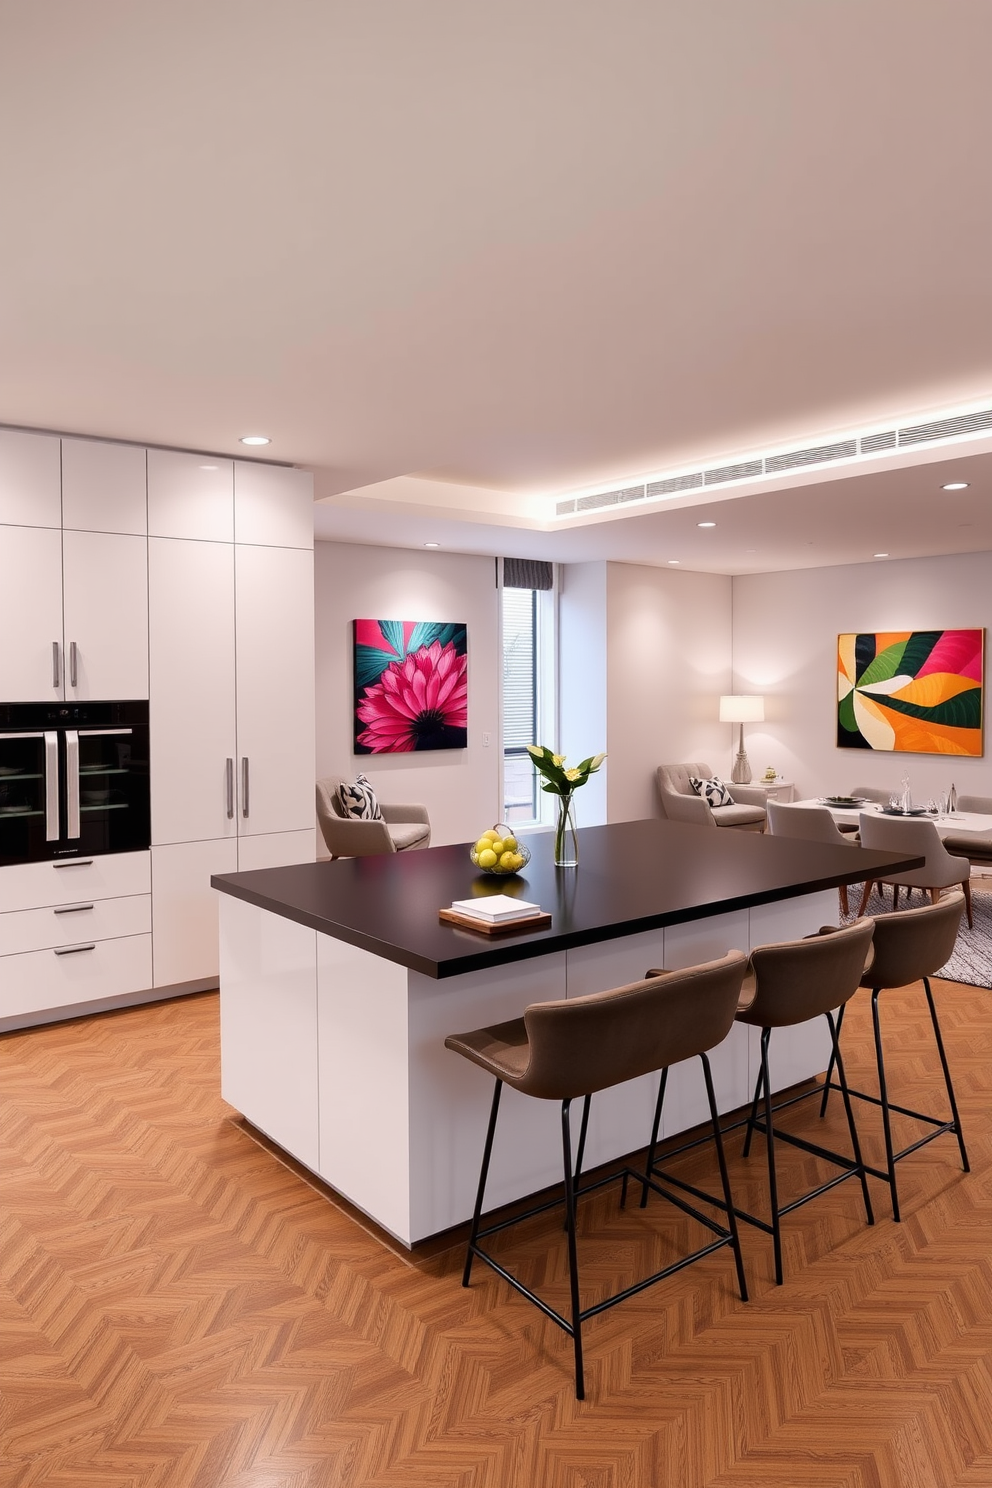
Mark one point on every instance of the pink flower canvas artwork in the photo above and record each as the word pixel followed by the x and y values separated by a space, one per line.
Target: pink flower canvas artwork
pixel 411 686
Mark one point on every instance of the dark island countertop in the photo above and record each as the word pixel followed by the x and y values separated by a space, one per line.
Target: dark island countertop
pixel 632 876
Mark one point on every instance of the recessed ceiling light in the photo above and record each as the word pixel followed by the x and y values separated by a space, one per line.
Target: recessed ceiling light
pixel 208 467
pixel 675 560
pixel 255 439
pixel 705 524
pixel 880 555
pixel 432 545
pixel 956 486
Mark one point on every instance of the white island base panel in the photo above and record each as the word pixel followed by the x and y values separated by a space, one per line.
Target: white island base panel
pixel 338 1056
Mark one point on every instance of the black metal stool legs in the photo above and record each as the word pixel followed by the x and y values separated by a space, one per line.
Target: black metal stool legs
pixel 890 1160
pixel 849 1109
pixel 947 1076
pixel 735 1242
pixel 573 1260
pixel 487 1153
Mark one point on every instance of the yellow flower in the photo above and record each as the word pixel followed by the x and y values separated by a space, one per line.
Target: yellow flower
pixel 558 759
pixel 572 774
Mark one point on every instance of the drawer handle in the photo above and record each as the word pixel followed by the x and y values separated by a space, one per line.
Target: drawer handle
pixel 75 863
pixel 71 908
pixel 74 950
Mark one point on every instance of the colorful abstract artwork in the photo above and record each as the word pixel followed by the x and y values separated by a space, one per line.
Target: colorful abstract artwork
pixel 912 691
pixel 411 686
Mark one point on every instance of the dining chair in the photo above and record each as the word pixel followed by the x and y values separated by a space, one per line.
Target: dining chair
pixel 917 836
pixel 811 824
pixel 975 846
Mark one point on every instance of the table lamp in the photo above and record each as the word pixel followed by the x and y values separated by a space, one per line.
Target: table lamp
pixel 742 708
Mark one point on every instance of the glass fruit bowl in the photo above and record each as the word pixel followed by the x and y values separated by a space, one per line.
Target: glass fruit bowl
pixel 498 851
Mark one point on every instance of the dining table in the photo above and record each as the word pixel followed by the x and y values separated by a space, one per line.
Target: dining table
pixel 948 824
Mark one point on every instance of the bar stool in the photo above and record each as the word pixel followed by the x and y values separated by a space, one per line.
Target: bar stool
pixel 789 983
pixel 563 1050
pixel 911 945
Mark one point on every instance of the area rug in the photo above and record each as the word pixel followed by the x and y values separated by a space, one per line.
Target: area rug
pixel 972 959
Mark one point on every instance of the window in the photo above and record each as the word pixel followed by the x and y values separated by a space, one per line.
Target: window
pixel 527 596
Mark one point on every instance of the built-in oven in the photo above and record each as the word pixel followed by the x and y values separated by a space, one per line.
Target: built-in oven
pixel 73 780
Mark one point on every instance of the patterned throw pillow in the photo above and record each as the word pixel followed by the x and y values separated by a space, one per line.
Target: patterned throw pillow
pixel 713 792
pixel 358 800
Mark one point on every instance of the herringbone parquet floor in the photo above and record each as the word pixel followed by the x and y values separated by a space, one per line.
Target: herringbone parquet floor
pixel 181 1311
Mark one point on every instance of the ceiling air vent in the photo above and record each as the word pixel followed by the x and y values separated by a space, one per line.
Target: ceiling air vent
pixel 592 503
pixel 631 493
pixel 819 456
pixel 675 483
pixel 564 508
pixel 872 443
pixel 724 473
pixel 968 423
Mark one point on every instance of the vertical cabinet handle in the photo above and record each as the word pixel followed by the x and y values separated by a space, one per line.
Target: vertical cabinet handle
pixel 72 663
pixel 244 785
pixel 72 783
pixel 51 786
pixel 56 665
pixel 229 774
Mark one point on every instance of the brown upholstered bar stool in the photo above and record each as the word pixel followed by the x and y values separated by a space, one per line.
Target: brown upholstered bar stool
pixel 790 983
pixel 910 945
pixel 563 1050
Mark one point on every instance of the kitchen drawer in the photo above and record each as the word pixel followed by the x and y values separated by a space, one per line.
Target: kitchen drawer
pixel 79 920
pixel 40 980
pixel 74 881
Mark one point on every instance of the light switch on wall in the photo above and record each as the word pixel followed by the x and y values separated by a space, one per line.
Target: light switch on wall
pixel 485 740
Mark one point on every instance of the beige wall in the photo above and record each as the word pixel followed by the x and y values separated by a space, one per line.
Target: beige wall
pixel 460 788
pixel 669 660
pixel 785 640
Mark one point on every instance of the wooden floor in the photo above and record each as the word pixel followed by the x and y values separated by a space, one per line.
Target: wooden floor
pixel 181 1311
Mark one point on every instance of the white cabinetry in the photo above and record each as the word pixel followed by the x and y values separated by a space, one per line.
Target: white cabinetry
pixel 73 552
pixel 187 580
pixel 73 933
pixel 232 688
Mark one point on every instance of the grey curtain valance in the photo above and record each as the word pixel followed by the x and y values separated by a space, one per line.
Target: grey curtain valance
pixel 527 573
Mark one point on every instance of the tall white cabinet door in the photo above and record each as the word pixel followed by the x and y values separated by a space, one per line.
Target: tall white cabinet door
pixel 185 944
pixel 190 496
pixel 103 487
pixel 192 707
pixel 273 505
pixel 105 590
pixel 30 479
pixel 275 651
pixel 30 614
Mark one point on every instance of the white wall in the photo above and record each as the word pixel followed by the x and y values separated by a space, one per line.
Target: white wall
pixel 583 667
pixel 669 659
pixel 460 788
pixel 785 645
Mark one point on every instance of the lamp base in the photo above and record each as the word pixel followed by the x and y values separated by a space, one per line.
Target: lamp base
pixel 741 774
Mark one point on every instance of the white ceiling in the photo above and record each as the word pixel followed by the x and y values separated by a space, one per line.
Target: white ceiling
pixel 524 247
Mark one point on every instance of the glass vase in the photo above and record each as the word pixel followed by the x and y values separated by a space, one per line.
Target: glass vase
pixel 566 842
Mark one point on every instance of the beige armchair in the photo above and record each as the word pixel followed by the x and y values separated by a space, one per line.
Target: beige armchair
pixel 679 801
pixel 401 828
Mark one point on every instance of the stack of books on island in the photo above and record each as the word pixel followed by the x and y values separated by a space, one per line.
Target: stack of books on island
pixel 496 909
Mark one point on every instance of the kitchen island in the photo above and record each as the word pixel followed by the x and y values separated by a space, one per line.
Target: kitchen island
pixel 339 985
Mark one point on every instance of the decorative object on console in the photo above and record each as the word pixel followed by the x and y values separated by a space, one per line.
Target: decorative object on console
pixel 359 799
pixel 411 686
pixel 742 708
pixel 563 783
pixel 713 792
pixel 911 691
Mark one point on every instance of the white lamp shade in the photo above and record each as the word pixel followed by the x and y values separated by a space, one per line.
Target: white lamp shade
pixel 742 708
